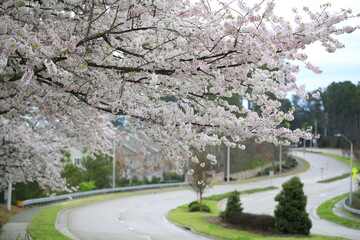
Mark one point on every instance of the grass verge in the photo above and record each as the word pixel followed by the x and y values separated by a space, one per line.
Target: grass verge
pixel 42 226
pixel 218 197
pixel 5 214
pixel 325 211
pixel 195 221
pixel 345 160
pixel 334 178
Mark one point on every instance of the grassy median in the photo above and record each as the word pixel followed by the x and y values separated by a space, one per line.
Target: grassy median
pixel 195 221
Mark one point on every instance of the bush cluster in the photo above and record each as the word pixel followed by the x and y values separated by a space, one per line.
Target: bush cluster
pixel 290 163
pixel 195 207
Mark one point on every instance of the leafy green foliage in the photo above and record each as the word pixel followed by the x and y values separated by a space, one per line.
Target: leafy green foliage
pixel 25 191
pixel 72 174
pixel 136 181
pixel 87 186
pixel 172 177
pixel 233 205
pixel 154 180
pixel 99 170
pixel 290 214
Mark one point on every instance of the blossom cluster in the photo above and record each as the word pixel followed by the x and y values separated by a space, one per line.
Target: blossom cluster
pixel 177 69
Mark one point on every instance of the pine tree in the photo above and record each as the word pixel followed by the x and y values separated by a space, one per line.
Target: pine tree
pixel 290 214
pixel 233 205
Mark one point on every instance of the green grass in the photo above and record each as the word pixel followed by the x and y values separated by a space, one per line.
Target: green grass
pixel 196 222
pixel 345 160
pixel 334 178
pixel 218 197
pixel 325 211
pixel 42 226
pixel 255 190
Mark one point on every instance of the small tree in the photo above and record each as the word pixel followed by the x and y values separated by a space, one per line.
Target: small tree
pixel 198 178
pixel 290 214
pixel 233 205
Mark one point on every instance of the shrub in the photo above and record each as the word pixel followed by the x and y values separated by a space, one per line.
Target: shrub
pixel 154 180
pixel 233 205
pixel 172 177
pixel 136 181
pixel 290 214
pixel 356 200
pixel 193 203
pixel 195 207
pixel 146 180
pixel 87 186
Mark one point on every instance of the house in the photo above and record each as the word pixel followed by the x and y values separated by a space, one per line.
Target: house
pixel 76 155
pixel 134 162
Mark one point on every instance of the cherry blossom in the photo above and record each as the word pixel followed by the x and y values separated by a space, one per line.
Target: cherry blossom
pixel 174 67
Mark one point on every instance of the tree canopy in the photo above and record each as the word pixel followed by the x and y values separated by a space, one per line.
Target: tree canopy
pixel 69 67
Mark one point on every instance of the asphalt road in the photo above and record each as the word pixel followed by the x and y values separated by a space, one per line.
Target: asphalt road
pixel 143 216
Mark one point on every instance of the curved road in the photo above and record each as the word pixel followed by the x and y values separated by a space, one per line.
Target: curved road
pixel 143 216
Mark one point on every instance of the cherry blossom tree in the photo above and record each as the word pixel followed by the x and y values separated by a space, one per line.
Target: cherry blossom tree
pixel 68 67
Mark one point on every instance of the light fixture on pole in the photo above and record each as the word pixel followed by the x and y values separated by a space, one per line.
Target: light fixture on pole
pixel 351 163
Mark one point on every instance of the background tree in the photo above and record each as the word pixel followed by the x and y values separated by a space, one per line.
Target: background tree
pixel 73 175
pixel 76 65
pixel 290 213
pixel 98 170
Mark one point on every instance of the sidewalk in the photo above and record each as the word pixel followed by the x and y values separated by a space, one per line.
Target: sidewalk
pixel 16 228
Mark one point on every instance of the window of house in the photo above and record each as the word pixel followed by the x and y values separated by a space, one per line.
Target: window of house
pixel 77 161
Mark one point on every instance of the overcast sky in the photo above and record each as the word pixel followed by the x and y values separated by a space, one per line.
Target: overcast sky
pixel 340 66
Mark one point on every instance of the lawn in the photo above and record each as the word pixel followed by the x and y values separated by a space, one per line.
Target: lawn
pixel 195 221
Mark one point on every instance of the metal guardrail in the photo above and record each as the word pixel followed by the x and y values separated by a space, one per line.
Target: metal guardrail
pixel 48 200
pixel 350 209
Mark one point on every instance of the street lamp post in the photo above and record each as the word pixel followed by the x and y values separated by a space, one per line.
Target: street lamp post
pixel 113 164
pixel 280 156
pixel 351 163
pixel 228 164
